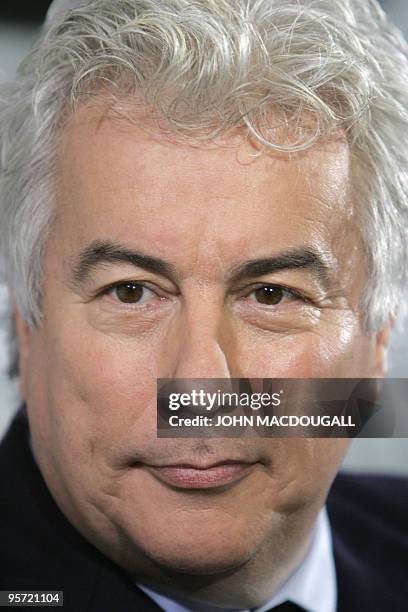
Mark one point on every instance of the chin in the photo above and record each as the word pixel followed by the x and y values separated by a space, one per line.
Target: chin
pixel 196 551
pixel 197 562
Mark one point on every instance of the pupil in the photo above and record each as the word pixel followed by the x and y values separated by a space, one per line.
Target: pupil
pixel 129 292
pixel 269 295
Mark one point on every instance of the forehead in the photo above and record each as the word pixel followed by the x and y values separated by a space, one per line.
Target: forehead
pixel 123 182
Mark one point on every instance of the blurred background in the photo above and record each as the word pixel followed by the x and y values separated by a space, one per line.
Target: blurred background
pixel 19 26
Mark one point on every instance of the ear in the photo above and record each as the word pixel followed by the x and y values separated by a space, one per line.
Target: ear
pixel 382 341
pixel 23 331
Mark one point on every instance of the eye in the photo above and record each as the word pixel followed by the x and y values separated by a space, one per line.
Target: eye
pixel 273 295
pixel 131 293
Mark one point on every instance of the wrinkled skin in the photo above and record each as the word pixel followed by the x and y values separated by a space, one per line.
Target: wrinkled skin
pixel 89 369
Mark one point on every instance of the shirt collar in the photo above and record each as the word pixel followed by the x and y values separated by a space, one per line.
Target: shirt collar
pixel 312 586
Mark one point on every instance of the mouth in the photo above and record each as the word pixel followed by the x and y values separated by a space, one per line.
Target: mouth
pixel 190 476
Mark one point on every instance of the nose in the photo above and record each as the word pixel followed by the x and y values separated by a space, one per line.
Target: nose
pixel 202 357
pixel 205 347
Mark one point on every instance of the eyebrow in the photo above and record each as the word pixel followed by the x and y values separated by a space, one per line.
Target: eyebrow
pixel 303 258
pixel 102 252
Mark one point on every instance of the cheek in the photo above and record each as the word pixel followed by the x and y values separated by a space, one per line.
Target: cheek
pixel 305 467
pixel 99 384
pixel 333 349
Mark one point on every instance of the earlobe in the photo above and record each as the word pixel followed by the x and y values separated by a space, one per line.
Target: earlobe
pixel 381 349
pixel 23 336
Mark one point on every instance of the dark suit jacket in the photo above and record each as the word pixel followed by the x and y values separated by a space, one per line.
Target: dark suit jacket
pixel 40 550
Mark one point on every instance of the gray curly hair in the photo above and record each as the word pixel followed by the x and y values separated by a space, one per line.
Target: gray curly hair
pixel 206 66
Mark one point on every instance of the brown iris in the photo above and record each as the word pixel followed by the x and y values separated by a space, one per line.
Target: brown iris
pixel 129 292
pixel 269 295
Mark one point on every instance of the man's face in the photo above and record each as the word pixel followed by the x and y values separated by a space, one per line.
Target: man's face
pixel 89 370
